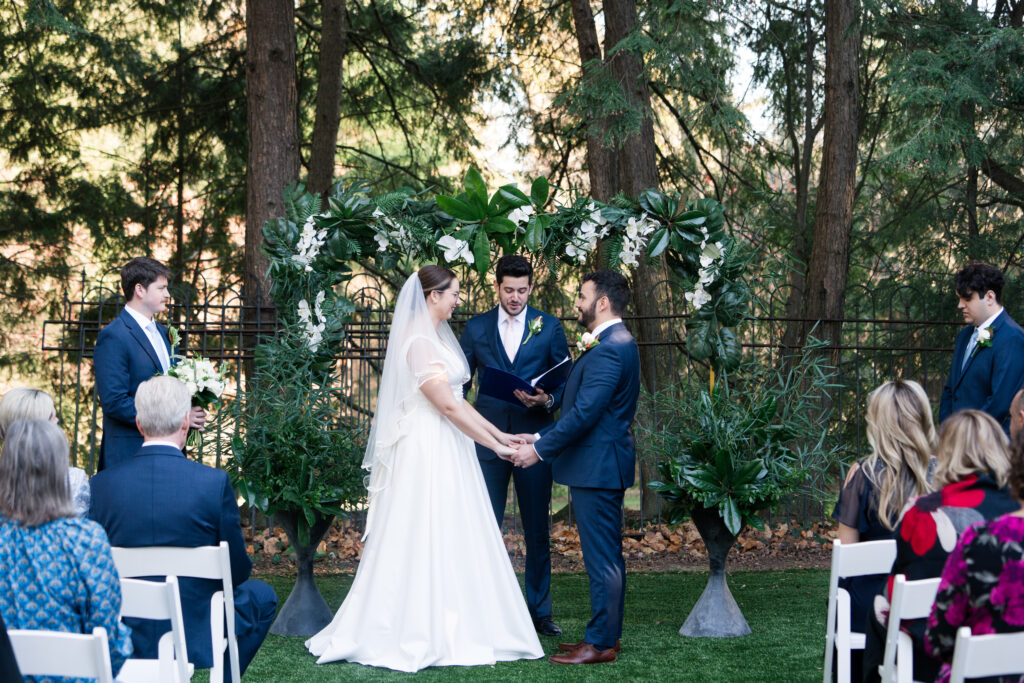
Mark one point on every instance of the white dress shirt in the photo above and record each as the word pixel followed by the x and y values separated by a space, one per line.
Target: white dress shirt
pixel 148 326
pixel 510 331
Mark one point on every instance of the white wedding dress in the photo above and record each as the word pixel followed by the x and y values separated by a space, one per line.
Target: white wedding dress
pixel 434 586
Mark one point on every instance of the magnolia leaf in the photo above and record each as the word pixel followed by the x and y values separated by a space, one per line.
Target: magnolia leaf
pixel 475 186
pixel 539 191
pixel 456 208
pixel 499 224
pixel 731 516
pixel 481 253
pixel 658 242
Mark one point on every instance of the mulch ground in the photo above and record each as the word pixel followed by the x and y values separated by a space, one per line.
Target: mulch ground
pixel 653 548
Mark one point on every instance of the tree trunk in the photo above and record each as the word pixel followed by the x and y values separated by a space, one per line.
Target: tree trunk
pixel 271 99
pixel 333 44
pixel 833 220
pixel 638 171
pixel 602 159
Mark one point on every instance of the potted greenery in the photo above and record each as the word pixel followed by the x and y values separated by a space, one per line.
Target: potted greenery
pixel 730 450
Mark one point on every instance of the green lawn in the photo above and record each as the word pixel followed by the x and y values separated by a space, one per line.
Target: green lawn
pixel 785 610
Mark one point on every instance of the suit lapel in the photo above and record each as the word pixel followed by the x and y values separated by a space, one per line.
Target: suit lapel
pixel 996 325
pixel 141 337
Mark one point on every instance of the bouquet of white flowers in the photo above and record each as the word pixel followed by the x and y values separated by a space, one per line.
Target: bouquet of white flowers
pixel 205 382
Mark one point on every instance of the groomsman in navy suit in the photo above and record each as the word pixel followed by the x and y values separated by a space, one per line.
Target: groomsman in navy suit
pixel 501 338
pixel 988 359
pixel 158 497
pixel 591 449
pixel 130 350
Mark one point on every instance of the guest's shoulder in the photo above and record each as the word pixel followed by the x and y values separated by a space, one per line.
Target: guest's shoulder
pixel 83 532
pixel 1008 528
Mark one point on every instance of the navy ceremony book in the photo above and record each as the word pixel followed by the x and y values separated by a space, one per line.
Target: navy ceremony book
pixel 500 384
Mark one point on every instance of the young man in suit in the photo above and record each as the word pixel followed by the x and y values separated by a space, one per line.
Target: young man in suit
pixel 988 359
pixel 130 350
pixel 161 498
pixel 591 449
pixel 501 338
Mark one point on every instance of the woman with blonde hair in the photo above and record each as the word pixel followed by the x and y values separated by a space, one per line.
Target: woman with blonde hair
pixel 971 487
pixel 898 468
pixel 24 403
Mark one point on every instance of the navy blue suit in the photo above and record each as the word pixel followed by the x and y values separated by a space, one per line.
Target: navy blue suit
pixel 992 376
pixel 591 449
pixel 123 359
pixel 159 497
pixel 483 347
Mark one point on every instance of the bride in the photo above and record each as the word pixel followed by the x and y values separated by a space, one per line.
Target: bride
pixel 434 586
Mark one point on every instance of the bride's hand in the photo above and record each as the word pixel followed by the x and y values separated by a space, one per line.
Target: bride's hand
pixel 505 452
pixel 509 440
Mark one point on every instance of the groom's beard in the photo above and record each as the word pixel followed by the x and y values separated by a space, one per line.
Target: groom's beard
pixel 587 315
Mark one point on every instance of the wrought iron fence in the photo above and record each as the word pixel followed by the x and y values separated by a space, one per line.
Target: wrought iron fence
pixel 883 337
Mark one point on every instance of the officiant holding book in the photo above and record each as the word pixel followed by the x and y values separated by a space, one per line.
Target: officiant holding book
pixel 517 338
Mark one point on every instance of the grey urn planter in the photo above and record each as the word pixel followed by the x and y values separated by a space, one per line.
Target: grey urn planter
pixel 716 614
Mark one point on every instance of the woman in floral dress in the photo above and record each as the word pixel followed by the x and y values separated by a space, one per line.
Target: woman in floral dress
pixel 983 582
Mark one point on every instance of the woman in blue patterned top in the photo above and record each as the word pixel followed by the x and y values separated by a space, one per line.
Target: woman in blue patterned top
pixel 58 573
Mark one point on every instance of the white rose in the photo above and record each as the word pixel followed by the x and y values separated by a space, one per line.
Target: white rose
pixel 985 334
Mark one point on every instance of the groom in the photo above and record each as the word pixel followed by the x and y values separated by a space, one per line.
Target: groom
pixel 130 350
pixel 501 338
pixel 591 449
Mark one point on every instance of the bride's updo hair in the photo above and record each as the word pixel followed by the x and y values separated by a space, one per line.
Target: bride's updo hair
pixel 435 278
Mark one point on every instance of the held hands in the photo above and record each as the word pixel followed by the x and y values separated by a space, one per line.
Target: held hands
pixel 535 400
pixel 526 455
pixel 507 445
pixel 197 419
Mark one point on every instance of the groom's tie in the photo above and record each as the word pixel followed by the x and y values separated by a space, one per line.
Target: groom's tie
pixel 510 337
pixel 970 349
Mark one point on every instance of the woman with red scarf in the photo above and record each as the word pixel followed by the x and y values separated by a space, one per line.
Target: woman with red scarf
pixel 970 482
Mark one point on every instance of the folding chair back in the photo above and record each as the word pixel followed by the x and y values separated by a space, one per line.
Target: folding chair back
pixel 910 600
pixel 853 559
pixel 207 562
pixel 996 654
pixel 158 601
pixel 80 655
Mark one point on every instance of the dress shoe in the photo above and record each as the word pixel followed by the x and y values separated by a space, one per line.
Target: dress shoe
pixel 546 626
pixel 569 647
pixel 585 655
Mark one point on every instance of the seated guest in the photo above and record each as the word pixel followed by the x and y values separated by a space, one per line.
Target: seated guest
pixel 983 578
pixel 160 498
pixel 58 574
pixel 902 439
pixel 971 478
pixel 34 404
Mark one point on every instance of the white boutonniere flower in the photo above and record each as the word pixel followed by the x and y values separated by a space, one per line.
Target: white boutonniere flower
pixel 984 338
pixel 586 342
pixel 534 327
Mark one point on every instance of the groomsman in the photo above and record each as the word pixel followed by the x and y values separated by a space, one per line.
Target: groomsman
pixel 988 359
pixel 519 339
pixel 130 350
pixel 591 449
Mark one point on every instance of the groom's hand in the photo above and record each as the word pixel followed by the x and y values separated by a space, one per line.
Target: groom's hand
pixel 526 456
pixel 525 438
pixel 536 400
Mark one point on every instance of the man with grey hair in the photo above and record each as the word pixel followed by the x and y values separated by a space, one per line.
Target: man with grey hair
pixel 161 498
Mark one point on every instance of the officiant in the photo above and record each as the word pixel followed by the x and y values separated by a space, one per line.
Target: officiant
pixel 517 338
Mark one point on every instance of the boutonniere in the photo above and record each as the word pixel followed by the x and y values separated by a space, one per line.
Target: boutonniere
pixel 984 338
pixel 586 342
pixel 534 327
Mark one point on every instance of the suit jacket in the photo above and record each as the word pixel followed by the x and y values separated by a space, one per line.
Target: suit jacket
pixel 482 345
pixel 992 376
pixel 592 443
pixel 123 359
pixel 159 497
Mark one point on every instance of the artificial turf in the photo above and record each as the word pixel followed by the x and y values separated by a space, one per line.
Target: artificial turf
pixel 785 610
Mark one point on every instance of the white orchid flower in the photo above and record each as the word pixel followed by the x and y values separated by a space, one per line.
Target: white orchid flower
pixel 521 215
pixel 455 249
pixel 698 297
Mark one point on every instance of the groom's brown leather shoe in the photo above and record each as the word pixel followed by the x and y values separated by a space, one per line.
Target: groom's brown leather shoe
pixel 569 647
pixel 585 655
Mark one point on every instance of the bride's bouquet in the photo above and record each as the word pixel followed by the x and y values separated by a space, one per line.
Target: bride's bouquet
pixel 205 382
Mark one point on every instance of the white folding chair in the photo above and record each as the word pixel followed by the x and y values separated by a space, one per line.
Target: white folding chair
pixel 994 654
pixel 853 559
pixel 910 600
pixel 207 562
pixel 158 601
pixel 57 653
